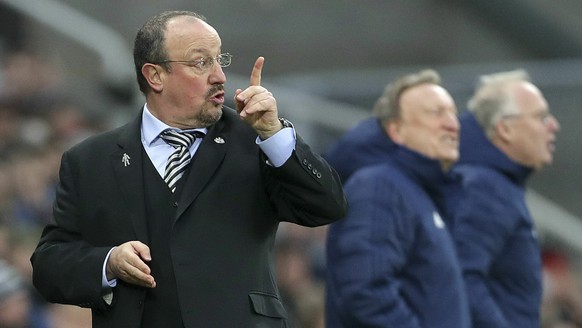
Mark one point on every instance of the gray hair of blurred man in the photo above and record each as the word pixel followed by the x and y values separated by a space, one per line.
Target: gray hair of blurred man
pixel 387 107
pixel 493 99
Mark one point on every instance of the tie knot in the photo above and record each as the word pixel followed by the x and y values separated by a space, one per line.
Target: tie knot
pixel 180 139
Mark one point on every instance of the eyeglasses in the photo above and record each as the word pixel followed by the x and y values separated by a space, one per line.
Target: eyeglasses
pixel 204 63
pixel 544 116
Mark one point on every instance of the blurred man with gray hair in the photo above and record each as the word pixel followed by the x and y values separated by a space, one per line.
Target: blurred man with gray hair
pixel 391 261
pixel 507 133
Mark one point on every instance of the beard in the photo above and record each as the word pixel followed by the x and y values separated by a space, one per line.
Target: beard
pixel 209 114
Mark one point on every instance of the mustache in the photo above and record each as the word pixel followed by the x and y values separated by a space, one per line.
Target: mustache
pixel 215 88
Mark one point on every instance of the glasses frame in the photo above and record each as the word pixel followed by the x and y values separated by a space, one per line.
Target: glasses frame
pixel 204 63
pixel 544 117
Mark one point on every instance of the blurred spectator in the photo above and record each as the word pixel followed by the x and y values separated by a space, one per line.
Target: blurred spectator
pixel 34 176
pixel 21 243
pixel 68 316
pixel 16 307
pixel 10 122
pixel 312 240
pixel 37 122
pixel 300 267
pixel 506 135
pixel 30 81
pixel 69 124
pixel 311 307
pixel 391 261
pixel 294 274
pixel 6 193
pixel 4 240
pixel 562 296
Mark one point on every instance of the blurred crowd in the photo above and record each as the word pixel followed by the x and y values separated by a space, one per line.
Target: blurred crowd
pixel 562 287
pixel 38 121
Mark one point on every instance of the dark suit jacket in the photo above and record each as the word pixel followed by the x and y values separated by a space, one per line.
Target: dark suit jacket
pixel 223 230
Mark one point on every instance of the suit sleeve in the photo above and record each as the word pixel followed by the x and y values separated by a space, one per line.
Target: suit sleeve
pixel 479 230
pixel 366 253
pixel 306 190
pixel 67 269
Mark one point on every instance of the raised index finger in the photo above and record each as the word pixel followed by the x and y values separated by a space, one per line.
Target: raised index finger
pixel 256 73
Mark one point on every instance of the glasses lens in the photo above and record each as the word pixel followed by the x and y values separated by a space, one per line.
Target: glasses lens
pixel 224 59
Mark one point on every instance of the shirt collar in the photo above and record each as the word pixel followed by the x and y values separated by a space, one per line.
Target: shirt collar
pixel 152 127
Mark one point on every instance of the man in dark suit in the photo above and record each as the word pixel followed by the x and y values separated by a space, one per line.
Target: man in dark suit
pixel 143 251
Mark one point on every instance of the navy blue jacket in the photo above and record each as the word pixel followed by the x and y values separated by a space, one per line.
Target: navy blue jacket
pixel 391 261
pixel 494 235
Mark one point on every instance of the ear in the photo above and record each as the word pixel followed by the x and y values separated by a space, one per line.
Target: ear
pixel 153 74
pixel 394 130
pixel 503 131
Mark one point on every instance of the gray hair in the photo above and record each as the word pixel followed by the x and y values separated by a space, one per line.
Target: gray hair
pixel 493 98
pixel 387 107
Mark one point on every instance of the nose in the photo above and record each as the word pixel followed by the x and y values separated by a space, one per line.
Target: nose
pixel 451 121
pixel 217 75
pixel 553 124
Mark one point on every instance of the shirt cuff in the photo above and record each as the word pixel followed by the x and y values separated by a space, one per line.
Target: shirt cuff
pixel 104 282
pixel 279 146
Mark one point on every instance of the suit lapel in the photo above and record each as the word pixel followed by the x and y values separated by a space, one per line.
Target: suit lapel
pixel 206 161
pixel 127 164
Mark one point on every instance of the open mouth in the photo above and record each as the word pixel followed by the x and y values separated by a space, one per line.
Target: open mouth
pixel 551 143
pixel 551 146
pixel 217 98
pixel 451 141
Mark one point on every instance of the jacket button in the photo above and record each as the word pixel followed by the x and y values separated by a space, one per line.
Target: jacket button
pixel 175 204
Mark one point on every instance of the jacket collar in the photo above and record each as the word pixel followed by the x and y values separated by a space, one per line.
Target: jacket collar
pixel 425 171
pixel 476 148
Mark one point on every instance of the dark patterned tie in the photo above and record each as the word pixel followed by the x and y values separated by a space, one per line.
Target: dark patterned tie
pixel 179 159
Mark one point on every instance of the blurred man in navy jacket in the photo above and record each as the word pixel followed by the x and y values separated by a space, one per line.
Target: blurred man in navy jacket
pixel 507 134
pixel 391 261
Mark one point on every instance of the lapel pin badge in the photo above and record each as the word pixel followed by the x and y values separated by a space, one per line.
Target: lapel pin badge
pixel 125 159
pixel 219 140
